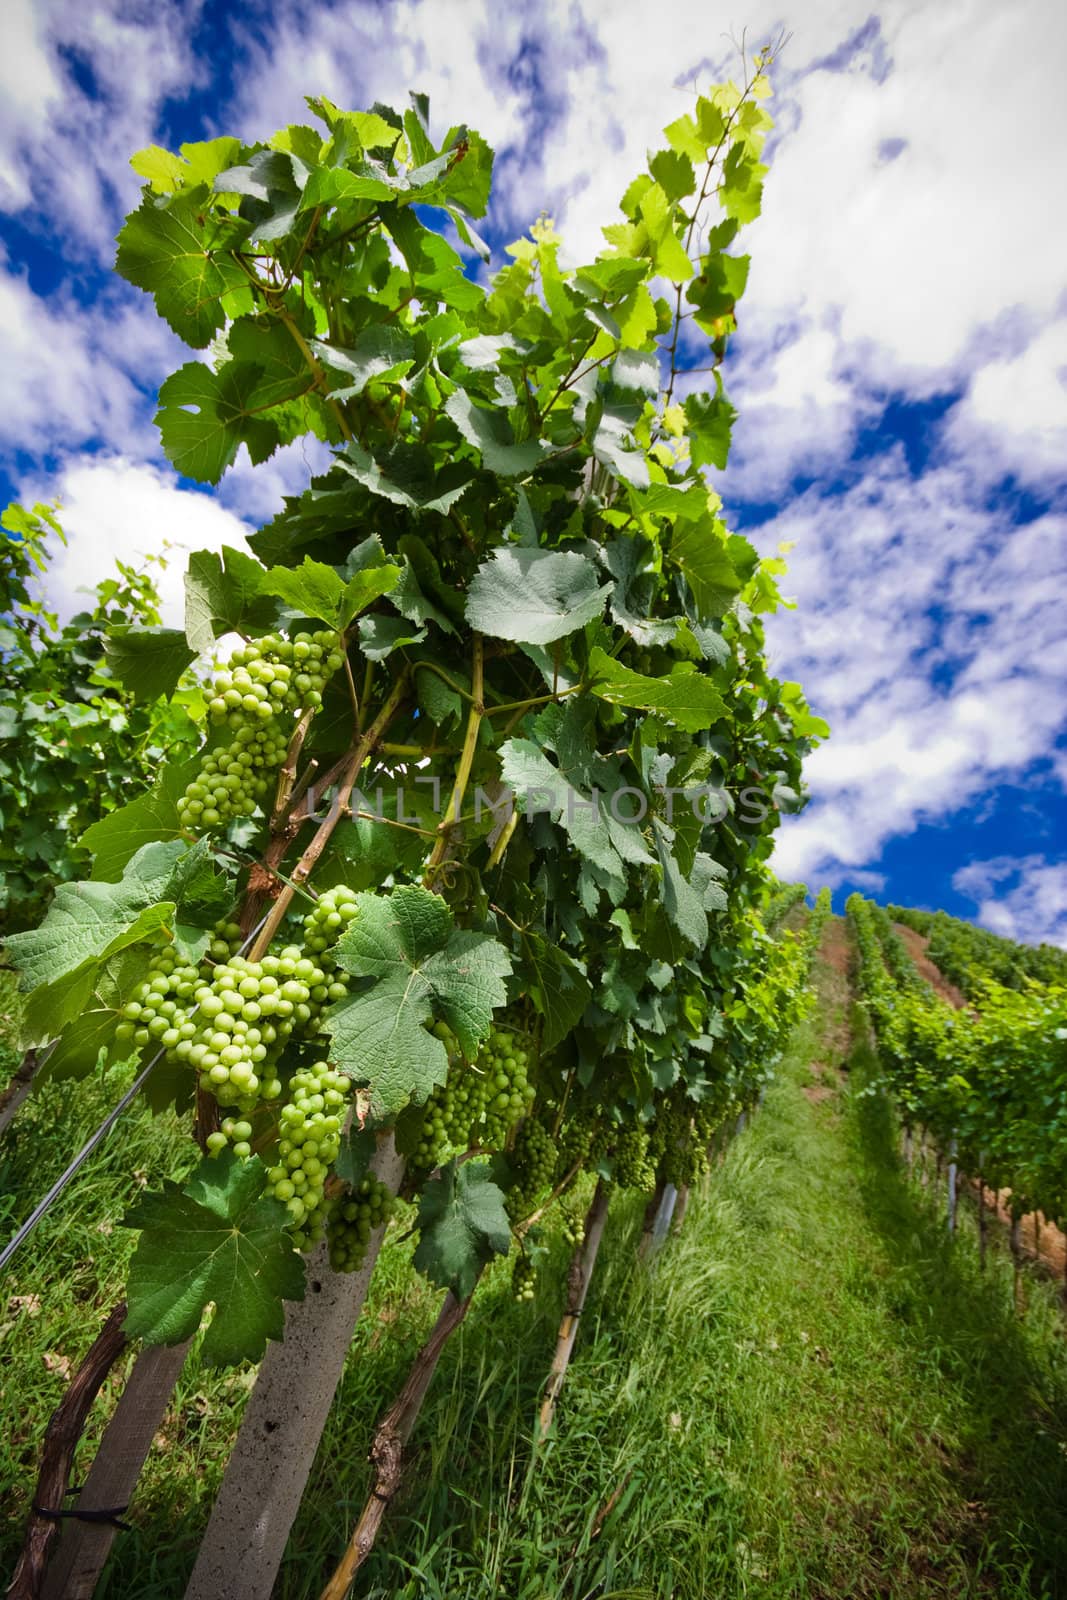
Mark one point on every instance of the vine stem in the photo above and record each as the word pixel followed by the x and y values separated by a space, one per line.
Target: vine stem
pixel 57 1455
pixel 387 1450
pixel 578 1279
pixel 353 766
pixel 466 762
pixel 523 1227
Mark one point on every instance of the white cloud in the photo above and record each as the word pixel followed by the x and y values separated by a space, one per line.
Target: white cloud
pixel 1014 415
pixel 96 79
pixel 119 510
pixel 928 708
pixel 1030 909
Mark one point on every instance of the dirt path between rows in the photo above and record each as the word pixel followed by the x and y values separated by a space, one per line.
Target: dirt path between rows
pixel 1041 1240
pixel 916 944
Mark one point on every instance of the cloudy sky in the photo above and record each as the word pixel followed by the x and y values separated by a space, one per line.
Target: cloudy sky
pixel 901 369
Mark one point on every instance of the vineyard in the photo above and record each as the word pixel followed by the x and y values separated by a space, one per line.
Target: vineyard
pixel 412 1052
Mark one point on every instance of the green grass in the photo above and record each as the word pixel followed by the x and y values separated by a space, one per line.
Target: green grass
pixel 814 1394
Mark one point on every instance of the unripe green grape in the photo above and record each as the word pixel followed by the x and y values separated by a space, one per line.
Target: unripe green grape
pixel 523 1279
pixel 353 1217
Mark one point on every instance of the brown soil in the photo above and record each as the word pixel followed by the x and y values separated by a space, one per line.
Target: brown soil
pixel 835 950
pixel 916 945
pixel 1041 1240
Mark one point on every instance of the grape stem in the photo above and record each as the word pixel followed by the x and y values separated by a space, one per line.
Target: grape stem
pixel 353 766
pixel 466 762
pixel 522 1228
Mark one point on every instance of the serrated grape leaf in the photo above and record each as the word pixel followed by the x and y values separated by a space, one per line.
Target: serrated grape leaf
pixel 273 180
pixel 488 429
pixel 176 251
pixel 202 892
pixel 217 1240
pixel 685 697
pixel 283 372
pixel 699 549
pixel 224 594
pixel 92 1029
pixel 90 921
pixel 316 590
pixel 422 969
pixel 148 661
pixel 683 903
pixel 407 476
pixel 462 1225
pixel 152 816
pixel 357 1151
pixel 204 417
pixel 535 596
pixel 558 987
pixel 710 419
pixel 380 352
pixel 380 636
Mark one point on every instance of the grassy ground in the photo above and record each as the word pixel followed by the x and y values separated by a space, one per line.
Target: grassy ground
pixel 813 1395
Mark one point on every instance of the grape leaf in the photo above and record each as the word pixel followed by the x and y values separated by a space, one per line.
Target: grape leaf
pixel 422 969
pixel 316 590
pixel 378 352
pixel 462 1225
pixel 534 596
pixel 685 697
pixel 407 476
pixel 558 987
pixel 219 1239
pixel 488 429
pixel 148 661
pixel 204 417
pixel 90 921
pixel 152 816
pixel 357 1151
pixel 172 251
pixel 700 550
pixel 710 419
pixel 225 595
pixel 78 1047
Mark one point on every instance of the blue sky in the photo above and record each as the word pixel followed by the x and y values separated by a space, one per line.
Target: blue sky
pixel 900 369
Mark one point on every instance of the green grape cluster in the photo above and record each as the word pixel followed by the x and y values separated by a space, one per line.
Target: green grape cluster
pixel 583 1142
pixel 353 1218
pixel 255 696
pixel 158 1010
pixel 502 1091
pixel 477 1104
pixel 234 778
pixel 532 1159
pixel 450 1110
pixel 327 920
pixel 246 1012
pixel 523 1279
pixel 274 674
pixel 309 1126
pixel 678 1143
pixel 631 1168
pixel 572 1226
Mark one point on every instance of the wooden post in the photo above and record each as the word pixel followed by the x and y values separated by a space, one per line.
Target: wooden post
pixel 681 1207
pixel 57 1454
pixel 578 1279
pixel 112 1479
pixel 982 1227
pixel 952 1171
pixel 268 1470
